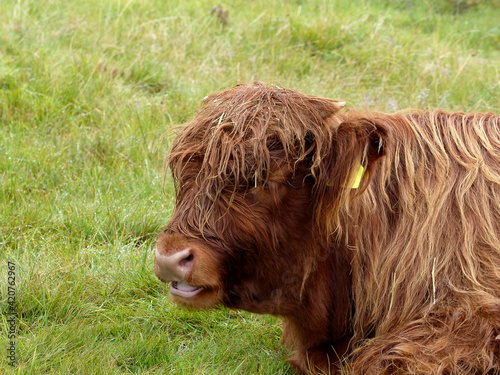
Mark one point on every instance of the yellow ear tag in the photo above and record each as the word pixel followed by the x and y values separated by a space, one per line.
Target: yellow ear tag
pixel 356 177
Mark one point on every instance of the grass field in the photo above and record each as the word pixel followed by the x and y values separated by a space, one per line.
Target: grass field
pixel 88 93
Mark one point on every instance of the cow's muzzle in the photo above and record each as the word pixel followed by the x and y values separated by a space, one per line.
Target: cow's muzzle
pixel 177 268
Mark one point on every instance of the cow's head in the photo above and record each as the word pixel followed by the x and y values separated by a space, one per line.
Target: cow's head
pixel 259 174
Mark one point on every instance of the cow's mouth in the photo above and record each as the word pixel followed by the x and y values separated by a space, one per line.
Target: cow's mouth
pixel 178 288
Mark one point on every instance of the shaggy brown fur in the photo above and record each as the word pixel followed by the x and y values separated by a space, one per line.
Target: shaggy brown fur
pixel 399 276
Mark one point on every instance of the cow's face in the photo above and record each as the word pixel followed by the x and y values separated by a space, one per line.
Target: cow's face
pixel 249 170
pixel 233 247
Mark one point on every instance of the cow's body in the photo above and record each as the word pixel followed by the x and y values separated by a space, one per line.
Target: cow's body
pixel 400 275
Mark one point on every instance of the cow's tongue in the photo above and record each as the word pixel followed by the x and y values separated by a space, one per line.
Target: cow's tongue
pixel 183 287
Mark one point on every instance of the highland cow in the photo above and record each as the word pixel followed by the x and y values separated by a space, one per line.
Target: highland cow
pixel 375 236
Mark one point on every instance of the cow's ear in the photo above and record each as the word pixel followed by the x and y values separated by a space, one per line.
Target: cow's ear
pixel 326 107
pixel 317 135
pixel 348 163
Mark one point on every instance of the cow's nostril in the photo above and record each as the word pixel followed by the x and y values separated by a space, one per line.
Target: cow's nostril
pixel 185 263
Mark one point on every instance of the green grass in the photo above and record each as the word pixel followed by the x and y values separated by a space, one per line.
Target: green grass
pixel 88 93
